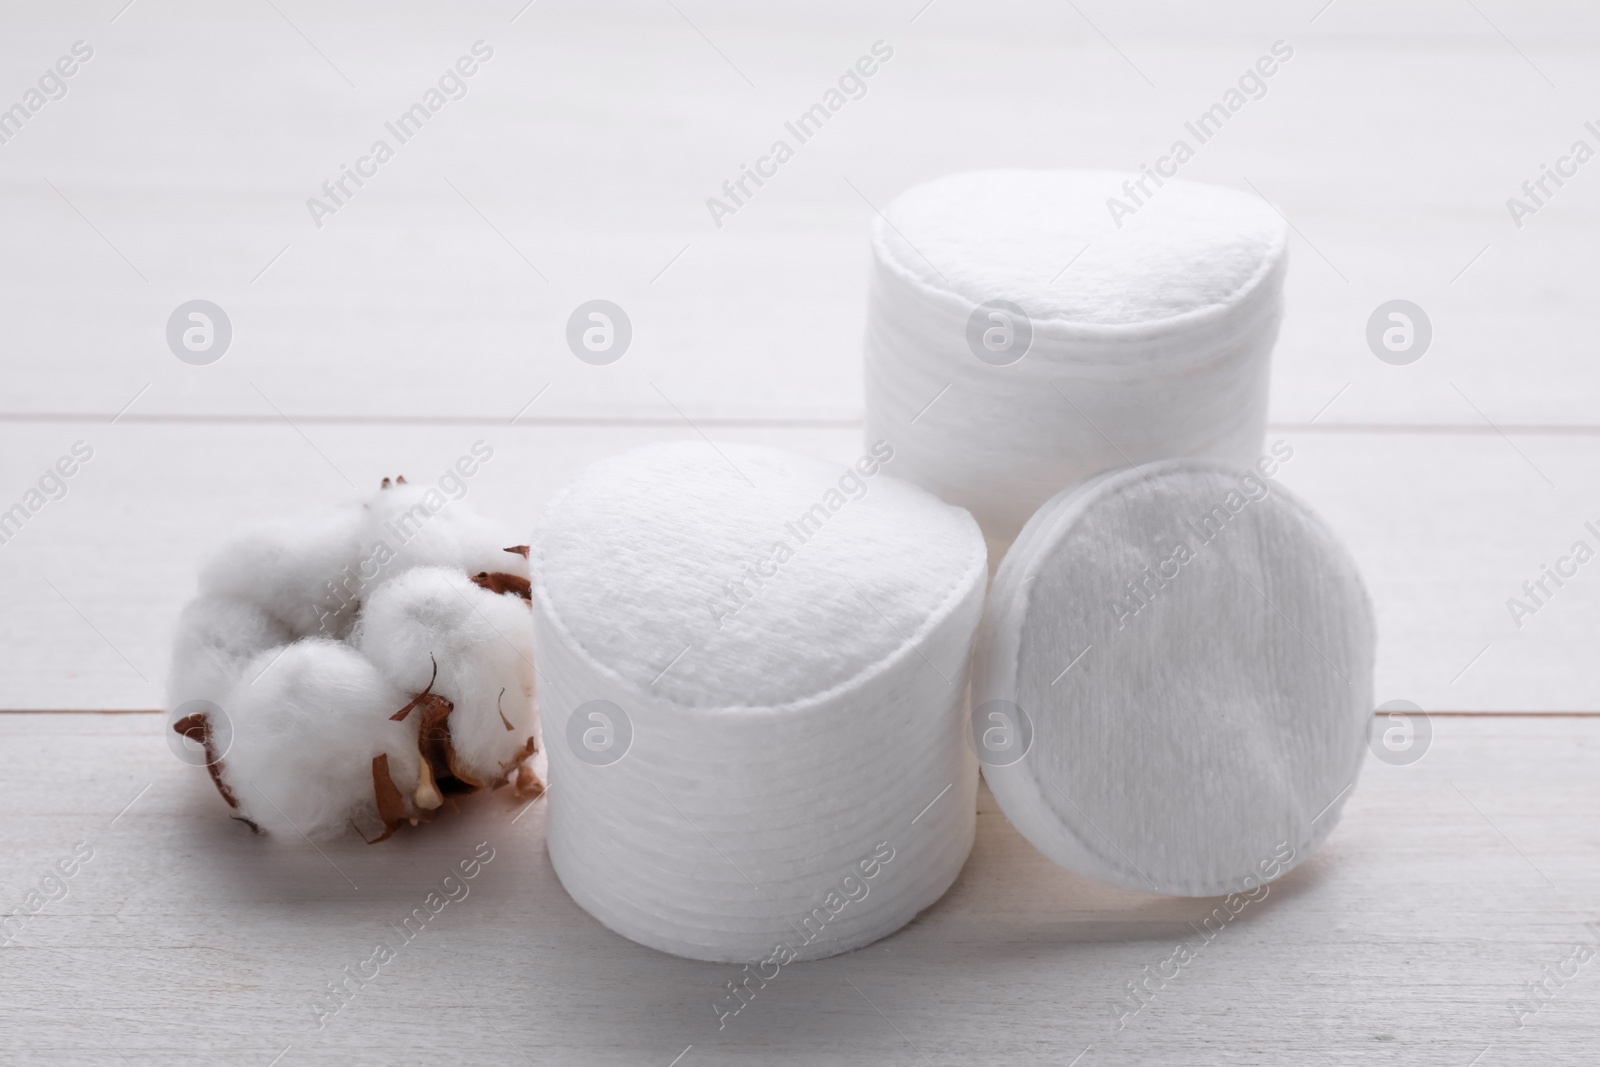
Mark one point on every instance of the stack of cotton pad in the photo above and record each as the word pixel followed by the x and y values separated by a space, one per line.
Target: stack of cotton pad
pixel 752 677
pixel 1111 344
pixel 1191 651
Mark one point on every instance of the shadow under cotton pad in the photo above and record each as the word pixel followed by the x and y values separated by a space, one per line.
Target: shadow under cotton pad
pixel 1193 650
pixel 752 678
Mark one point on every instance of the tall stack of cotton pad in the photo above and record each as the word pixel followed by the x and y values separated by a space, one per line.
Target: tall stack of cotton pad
pixel 1191 650
pixel 1142 339
pixel 752 677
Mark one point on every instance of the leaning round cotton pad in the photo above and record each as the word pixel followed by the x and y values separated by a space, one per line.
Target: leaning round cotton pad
pixel 1175 679
pixel 752 668
pixel 1023 335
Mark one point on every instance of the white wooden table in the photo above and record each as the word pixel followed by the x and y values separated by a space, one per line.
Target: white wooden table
pixel 428 313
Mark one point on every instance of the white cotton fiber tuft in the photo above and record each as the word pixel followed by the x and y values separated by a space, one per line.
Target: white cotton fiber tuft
pixel 1193 650
pixel 217 637
pixel 753 672
pixel 483 648
pixel 426 529
pixel 289 567
pixel 1135 342
pixel 304 735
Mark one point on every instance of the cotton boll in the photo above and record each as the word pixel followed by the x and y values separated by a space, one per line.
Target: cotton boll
pixel 314 737
pixel 306 729
pixel 480 643
pixel 216 637
pixel 300 570
pixel 420 527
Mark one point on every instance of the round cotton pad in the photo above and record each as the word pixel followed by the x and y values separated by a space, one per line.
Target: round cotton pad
pixel 1022 335
pixel 1191 650
pixel 751 672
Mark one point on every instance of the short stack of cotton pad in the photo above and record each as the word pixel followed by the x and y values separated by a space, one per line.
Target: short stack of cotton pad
pixel 1193 651
pixel 786 641
pixel 1145 341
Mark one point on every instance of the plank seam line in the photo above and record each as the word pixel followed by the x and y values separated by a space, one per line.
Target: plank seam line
pixel 753 422
pixel 1448 714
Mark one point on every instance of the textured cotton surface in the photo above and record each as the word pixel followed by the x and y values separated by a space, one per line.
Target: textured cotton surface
pixel 1148 342
pixel 1218 715
pixel 656 551
pixel 776 741
pixel 1012 233
pixel 285 565
pixel 311 632
pixel 304 735
pixel 480 643
pixel 423 533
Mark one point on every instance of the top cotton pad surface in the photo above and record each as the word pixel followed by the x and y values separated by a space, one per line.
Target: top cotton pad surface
pixel 751 673
pixel 1191 650
pixel 1019 339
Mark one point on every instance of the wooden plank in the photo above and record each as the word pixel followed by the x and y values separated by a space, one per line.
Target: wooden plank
pixel 1449 885
pixel 580 163
pixel 1446 528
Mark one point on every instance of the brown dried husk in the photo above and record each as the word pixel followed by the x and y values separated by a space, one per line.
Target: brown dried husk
pixel 392 808
pixel 442 768
pixel 501 582
pixel 505 582
pixel 196 727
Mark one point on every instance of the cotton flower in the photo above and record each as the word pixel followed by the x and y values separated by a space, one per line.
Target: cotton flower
pixel 367 664
pixel 305 734
pixel 217 637
pixel 423 531
pixel 437 632
pixel 289 567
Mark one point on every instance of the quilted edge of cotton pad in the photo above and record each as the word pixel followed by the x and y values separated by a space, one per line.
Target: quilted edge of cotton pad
pixel 995 667
pixel 975 572
pixel 1258 288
